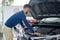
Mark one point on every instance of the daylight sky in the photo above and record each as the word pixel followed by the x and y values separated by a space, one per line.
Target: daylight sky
pixel 20 2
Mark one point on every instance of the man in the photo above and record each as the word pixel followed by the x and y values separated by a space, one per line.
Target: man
pixel 17 18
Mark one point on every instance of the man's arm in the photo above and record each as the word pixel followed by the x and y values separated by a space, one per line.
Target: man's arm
pixel 27 24
pixel 22 24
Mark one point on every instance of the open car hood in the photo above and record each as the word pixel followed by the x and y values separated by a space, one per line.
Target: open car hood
pixel 45 8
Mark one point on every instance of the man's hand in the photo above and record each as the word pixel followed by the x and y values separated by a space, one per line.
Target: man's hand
pixel 37 33
pixel 32 21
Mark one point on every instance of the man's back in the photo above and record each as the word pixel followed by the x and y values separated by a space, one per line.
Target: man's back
pixel 14 19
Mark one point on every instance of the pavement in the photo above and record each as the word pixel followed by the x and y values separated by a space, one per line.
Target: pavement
pixel 1 38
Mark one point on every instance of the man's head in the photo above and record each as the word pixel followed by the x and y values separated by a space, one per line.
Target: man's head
pixel 26 8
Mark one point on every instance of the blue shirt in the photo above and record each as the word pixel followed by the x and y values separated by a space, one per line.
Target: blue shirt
pixel 17 18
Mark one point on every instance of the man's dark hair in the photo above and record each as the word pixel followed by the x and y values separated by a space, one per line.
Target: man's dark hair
pixel 27 5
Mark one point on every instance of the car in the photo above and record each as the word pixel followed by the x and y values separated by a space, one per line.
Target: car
pixel 46 11
pixel 48 14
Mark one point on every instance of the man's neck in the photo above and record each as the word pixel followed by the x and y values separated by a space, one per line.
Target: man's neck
pixel 24 11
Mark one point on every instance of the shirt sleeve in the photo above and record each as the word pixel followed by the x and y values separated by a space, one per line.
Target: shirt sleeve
pixel 27 24
pixel 22 24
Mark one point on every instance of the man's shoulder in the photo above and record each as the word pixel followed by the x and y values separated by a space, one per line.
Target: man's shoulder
pixel 20 11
